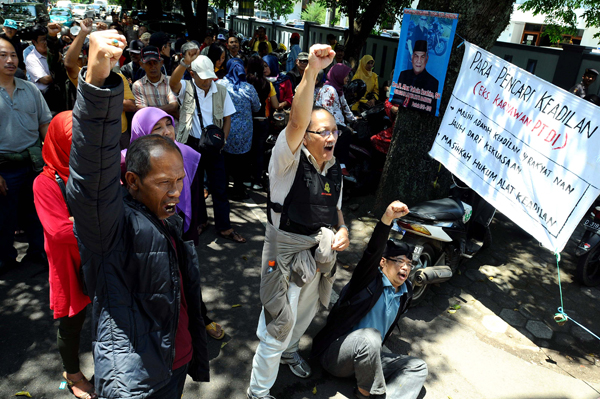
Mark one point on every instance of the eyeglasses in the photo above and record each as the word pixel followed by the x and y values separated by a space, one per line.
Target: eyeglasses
pixel 401 262
pixel 303 61
pixel 326 133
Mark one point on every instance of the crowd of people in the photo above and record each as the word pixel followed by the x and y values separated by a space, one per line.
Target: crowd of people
pixel 111 143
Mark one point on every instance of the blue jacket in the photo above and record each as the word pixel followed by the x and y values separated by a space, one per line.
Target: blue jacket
pixel 130 265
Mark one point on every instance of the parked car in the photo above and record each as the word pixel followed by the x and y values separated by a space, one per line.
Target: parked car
pixel 26 15
pixel 82 11
pixel 296 23
pixel 64 4
pixel 63 16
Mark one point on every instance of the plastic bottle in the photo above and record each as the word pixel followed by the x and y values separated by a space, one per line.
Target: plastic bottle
pixel 271 267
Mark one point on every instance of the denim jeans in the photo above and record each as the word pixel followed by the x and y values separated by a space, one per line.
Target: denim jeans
pixel 359 354
pixel 17 210
pixel 174 388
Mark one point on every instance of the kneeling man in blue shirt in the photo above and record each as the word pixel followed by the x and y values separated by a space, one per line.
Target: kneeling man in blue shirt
pixel 364 316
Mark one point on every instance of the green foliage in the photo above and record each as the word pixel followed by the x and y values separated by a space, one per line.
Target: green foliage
pixel 392 11
pixel 562 14
pixel 275 8
pixel 555 32
pixel 315 12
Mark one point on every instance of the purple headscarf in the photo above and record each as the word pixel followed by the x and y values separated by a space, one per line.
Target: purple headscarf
pixel 336 76
pixel 142 124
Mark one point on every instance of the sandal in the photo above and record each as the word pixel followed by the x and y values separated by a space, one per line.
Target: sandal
pixel 233 236
pixel 213 330
pixel 71 384
pixel 202 228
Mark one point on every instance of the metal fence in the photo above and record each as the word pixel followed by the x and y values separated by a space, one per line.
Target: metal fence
pixel 382 49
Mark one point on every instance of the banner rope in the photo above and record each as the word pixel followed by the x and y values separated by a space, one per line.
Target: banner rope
pixel 461 43
pixel 561 317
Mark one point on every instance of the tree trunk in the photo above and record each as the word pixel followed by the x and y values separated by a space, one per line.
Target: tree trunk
pixel 190 20
pixel 409 174
pixel 362 27
pixel 201 13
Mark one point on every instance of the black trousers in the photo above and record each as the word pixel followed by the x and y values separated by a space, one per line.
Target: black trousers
pixel 67 340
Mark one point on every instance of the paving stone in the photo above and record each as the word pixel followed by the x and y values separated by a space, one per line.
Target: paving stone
pixel 526 333
pixel 460 281
pixel 444 289
pixel 529 311
pixel 565 339
pixel 513 318
pixel 539 329
pixel 522 296
pixel 581 334
pixel 475 275
pixel 505 301
pixel 489 271
pixel 480 289
pixel 440 302
pixel 591 292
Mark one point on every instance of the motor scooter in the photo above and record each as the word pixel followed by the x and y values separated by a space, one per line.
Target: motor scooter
pixel 588 251
pixel 449 230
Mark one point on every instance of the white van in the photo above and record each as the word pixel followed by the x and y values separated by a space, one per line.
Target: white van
pixel 64 4
pixel 102 3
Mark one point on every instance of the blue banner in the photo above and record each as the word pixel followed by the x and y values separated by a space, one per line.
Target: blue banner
pixel 422 60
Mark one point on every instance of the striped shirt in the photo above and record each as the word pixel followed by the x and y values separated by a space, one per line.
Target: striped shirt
pixel 148 94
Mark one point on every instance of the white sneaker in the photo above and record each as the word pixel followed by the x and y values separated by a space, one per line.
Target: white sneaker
pixel 247 184
pixel 297 364
pixel 257 187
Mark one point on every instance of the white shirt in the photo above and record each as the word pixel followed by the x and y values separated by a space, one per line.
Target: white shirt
pixel 282 172
pixel 205 101
pixel 37 68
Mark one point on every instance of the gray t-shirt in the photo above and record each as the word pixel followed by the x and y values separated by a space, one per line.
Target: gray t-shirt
pixel 21 117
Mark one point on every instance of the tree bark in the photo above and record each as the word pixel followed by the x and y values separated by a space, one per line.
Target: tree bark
pixel 190 20
pixel 363 25
pixel 201 23
pixel 409 174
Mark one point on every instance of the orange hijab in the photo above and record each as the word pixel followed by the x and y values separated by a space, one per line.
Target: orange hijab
pixel 57 146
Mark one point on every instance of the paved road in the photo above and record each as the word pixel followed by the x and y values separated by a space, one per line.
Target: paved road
pixel 489 348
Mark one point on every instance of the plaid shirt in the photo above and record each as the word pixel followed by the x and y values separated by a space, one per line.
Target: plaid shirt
pixel 148 95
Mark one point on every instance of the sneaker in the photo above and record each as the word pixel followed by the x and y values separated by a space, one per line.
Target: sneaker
pixel 297 364
pixel 257 187
pixel 247 184
pixel 250 395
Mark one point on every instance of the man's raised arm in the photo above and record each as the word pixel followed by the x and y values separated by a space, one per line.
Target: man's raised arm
pixel 320 56
pixel 93 189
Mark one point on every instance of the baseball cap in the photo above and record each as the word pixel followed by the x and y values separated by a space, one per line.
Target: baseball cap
pixel 295 35
pixel 204 67
pixel 145 36
pixel 221 37
pixel 591 71
pixel 303 56
pixel 159 39
pixel 10 23
pixel 135 46
pixel 150 53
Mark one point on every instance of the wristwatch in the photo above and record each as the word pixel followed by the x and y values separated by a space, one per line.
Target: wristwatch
pixel 183 64
pixel 343 226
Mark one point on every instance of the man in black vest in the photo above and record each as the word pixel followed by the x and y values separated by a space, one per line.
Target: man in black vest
pixel 298 265
pixel 364 316
pixel 421 86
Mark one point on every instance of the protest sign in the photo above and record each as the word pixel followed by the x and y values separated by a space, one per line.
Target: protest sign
pixel 423 52
pixel 526 146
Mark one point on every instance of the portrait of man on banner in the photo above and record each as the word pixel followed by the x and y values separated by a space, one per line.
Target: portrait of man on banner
pixel 422 61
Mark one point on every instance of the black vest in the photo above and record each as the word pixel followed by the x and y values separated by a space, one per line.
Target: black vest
pixel 312 200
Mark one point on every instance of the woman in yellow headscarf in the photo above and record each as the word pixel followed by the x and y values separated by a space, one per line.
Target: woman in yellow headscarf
pixel 366 74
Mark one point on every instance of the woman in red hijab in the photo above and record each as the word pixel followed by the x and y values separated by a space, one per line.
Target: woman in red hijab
pixel 67 299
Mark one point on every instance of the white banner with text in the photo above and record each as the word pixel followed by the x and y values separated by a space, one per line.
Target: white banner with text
pixel 529 148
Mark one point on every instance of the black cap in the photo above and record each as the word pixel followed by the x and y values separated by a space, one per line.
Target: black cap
pixel 136 46
pixel 420 45
pixel 591 71
pixel 158 39
pixel 395 248
pixel 150 53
